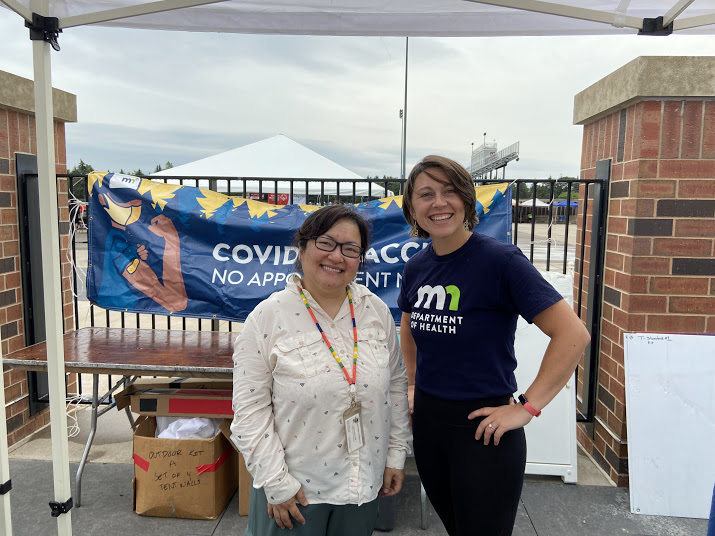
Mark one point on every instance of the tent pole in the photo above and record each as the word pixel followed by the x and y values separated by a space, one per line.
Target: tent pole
pixel 18 8
pixel 5 481
pixel 44 120
pixel 5 517
pixel 131 11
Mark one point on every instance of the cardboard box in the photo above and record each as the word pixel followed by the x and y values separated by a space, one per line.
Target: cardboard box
pixel 178 397
pixel 243 476
pixel 185 478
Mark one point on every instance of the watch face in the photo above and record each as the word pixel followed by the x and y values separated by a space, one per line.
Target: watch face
pixel 522 400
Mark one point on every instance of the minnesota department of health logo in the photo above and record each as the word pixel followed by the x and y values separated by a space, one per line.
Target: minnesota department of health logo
pixel 428 294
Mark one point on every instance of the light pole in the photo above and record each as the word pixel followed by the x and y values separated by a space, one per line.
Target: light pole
pixel 404 116
pixel 402 144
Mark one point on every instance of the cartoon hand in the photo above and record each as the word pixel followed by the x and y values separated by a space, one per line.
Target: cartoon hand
pixel 142 252
pixel 162 226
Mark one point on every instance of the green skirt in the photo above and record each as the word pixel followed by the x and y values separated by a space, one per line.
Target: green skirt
pixel 320 519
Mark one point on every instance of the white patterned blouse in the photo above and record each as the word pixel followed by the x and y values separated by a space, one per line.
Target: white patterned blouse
pixel 289 395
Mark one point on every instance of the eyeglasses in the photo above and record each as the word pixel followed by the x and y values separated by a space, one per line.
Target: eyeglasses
pixel 348 249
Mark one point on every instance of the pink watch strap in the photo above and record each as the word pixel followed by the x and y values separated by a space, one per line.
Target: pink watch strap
pixel 528 407
pixel 531 409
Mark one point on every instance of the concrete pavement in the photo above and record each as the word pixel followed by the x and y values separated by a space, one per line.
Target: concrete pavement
pixel 593 507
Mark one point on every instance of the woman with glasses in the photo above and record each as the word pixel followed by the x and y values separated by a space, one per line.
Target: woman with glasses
pixel 461 298
pixel 320 391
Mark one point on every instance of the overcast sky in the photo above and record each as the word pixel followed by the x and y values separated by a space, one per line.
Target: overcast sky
pixel 148 97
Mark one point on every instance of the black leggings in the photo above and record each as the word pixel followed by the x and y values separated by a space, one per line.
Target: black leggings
pixel 475 489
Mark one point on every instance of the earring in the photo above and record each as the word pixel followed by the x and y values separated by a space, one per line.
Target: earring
pixel 414 229
pixel 466 226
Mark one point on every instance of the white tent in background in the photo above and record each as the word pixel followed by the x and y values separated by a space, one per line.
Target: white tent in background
pixel 530 203
pixel 316 17
pixel 281 159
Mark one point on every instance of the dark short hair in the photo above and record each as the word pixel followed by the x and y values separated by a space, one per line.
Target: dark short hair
pixel 320 221
pixel 457 175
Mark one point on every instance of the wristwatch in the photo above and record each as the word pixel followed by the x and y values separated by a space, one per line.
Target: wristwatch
pixel 528 407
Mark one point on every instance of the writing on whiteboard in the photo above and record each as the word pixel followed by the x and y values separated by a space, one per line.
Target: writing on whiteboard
pixel 651 338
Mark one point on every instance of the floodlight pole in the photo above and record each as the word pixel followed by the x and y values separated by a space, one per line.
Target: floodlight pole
pixel 404 116
pixel 52 288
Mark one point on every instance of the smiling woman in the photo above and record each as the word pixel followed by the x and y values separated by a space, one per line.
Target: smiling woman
pixel 436 203
pixel 324 268
pixel 300 411
pixel 460 298
pixel 326 272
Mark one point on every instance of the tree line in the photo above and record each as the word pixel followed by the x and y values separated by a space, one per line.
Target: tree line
pixel 85 169
pixel 78 186
pixel 526 190
pixel 543 189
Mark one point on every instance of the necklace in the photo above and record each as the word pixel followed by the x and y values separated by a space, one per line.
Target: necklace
pixel 351 381
pixel 352 417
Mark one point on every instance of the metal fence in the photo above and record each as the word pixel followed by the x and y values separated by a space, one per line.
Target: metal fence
pixel 548 238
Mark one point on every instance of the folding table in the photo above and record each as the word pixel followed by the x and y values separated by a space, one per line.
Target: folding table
pixel 130 353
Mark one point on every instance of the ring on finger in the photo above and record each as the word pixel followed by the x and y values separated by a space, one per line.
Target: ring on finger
pixel 491 425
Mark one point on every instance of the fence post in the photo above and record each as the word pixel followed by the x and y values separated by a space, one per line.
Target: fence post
pixel 594 303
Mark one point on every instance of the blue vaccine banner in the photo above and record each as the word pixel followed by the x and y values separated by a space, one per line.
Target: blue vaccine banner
pixel 179 250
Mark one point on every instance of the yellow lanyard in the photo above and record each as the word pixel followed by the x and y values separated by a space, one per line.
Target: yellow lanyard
pixel 351 382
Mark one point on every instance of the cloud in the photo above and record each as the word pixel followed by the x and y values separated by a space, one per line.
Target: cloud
pixel 145 97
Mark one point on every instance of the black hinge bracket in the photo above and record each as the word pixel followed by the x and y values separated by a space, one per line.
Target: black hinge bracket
pixel 4 488
pixel 655 27
pixel 44 29
pixel 61 508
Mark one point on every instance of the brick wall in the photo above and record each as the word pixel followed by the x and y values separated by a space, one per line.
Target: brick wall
pixel 659 271
pixel 17 134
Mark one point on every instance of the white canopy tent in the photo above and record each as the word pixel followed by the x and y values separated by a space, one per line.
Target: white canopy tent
pixel 317 17
pixel 374 17
pixel 531 203
pixel 277 158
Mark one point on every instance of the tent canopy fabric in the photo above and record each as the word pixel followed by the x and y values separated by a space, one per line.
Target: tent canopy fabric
pixel 395 18
pixel 565 202
pixel 277 158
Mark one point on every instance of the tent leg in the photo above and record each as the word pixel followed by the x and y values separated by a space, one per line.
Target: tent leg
pixel 90 439
pixel 5 518
pixel 51 270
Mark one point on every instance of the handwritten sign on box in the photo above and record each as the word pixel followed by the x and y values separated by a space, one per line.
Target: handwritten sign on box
pixel 185 478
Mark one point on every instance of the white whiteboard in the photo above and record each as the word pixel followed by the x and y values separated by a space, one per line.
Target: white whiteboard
pixel 670 414
pixel 550 439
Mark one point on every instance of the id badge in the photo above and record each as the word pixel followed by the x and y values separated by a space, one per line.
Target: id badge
pixel 353 427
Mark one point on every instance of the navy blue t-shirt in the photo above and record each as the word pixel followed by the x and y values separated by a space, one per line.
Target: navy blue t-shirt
pixel 463 310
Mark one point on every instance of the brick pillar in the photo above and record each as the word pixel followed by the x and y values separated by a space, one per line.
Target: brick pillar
pixel 655 119
pixel 17 135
